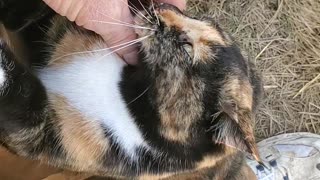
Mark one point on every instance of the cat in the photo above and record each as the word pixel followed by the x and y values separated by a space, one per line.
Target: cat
pixel 186 111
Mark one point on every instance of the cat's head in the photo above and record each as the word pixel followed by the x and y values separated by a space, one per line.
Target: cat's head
pixel 178 39
pixel 199 77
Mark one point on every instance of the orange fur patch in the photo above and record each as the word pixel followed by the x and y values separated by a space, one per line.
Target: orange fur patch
pixel 213 160
pixel 83 140
pixel 179 105
pixel 73 42
pixel 241 91
pixel 247 173
pixel 149 176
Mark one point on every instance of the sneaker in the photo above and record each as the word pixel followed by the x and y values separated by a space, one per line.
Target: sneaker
pixel 293 156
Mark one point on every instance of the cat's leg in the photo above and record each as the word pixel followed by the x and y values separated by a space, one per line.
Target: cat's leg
pixel 23 106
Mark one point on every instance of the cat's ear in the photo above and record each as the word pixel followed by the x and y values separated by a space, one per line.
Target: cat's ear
pixel 234 122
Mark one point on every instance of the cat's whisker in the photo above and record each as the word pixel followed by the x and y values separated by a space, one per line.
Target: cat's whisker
pixel 129 42
pixel 133 8
pixel 123 47
pixel 145 8
pixel 136 10
pixel 121 24
pixel 98 50
pixel 138 14
pixel 130 5
pixel 145 18
pixel 115 19
pixel 143 93
pixel 154 12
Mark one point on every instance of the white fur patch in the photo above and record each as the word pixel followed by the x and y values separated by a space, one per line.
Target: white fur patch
pixel 91 85
pixel 2 74
pixel 2 77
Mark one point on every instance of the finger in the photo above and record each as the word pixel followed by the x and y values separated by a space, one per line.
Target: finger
pixel 131 57
pixel 181 4
pixel 54 4
pixel 59 6
pixel 68 8
pixel 128 54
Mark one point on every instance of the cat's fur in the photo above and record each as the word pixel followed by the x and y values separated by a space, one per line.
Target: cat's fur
pixel 177 112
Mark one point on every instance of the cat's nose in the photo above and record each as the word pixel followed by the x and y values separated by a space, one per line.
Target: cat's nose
pixel 171 16
pixel 160 7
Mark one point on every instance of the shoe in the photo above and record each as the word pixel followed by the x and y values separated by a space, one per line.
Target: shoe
pixel 294 156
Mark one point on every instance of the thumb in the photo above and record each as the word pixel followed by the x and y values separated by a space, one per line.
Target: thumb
pixel 68 8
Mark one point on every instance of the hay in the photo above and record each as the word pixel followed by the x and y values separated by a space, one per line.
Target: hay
pixel 282 37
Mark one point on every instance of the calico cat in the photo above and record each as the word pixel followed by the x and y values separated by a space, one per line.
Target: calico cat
pixel 81 108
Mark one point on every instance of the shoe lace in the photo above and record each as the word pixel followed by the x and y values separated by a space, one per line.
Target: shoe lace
pixel 269 172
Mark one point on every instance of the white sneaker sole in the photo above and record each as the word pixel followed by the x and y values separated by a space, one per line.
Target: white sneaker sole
pixel 298 154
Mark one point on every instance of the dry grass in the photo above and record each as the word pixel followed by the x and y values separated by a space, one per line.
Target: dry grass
pixel 282 37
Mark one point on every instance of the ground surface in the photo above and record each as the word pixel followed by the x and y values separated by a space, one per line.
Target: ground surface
pixel 282 37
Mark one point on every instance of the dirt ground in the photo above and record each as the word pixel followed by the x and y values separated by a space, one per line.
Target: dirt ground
pixel 282 37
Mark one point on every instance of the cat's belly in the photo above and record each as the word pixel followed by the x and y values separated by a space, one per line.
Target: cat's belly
pixel 90 84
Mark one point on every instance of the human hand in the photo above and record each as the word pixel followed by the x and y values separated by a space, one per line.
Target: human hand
pixel 90 14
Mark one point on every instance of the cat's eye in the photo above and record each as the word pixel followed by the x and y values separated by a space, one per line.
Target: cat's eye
pixel 188 49
pixel 186 43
